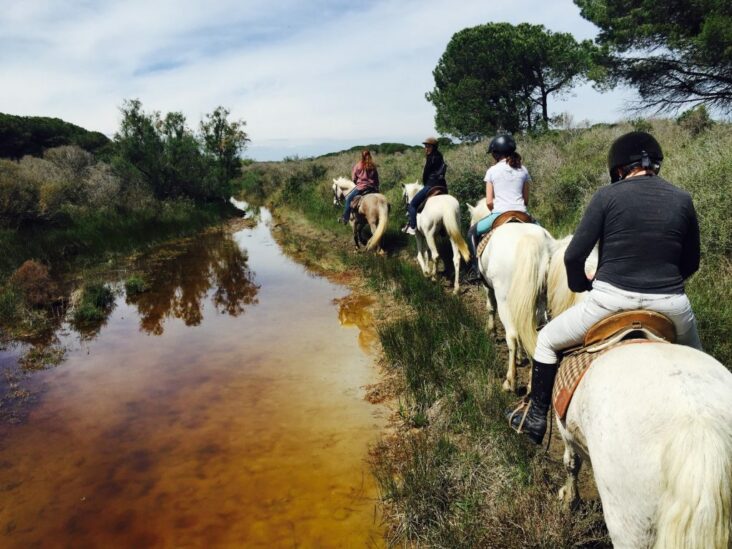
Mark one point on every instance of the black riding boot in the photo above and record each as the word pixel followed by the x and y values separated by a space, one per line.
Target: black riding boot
pixel 473 274
pixel 530 416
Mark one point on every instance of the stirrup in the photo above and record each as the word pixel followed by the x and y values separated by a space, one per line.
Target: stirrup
pixel 523 408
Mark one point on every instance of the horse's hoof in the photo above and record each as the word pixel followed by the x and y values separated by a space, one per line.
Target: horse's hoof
pixel 508 387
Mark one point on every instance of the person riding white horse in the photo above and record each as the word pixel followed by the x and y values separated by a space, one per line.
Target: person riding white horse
pixel 648 234
pixel 506 189
pixel 433 175
pixel 366 178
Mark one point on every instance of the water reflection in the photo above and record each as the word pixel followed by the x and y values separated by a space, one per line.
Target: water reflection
pixel 353 310
pixel 182 275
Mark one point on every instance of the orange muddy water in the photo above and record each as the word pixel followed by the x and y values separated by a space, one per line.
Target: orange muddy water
pixel 223 408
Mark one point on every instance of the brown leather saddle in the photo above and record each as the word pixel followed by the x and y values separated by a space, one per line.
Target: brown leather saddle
pixel 434 191
pixel 510 216
pixel 624 328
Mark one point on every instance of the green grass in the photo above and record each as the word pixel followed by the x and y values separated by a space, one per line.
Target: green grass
pixel 135 285
pixel 88 238
pixel 95 304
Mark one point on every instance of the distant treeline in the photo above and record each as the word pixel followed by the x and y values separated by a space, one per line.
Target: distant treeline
pixel 31 135
pixel 387 148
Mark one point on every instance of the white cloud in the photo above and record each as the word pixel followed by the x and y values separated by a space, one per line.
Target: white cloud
pixel 326 72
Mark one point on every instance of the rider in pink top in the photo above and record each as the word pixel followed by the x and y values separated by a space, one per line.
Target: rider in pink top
pixel 366 178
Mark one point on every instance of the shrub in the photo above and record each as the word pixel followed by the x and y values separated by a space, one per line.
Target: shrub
pixel 19 196
pixel 696 120
pixel 32 280
pixel 136 285
pixel 95 303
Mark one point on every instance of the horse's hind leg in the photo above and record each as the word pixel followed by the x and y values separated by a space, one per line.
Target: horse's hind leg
pixel 511 341
pixel 490 305
pixel 456 265
pixel 569 493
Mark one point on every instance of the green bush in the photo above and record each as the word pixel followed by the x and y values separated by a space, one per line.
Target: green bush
pixel 135 285
pixel 95 303
pixel 19 196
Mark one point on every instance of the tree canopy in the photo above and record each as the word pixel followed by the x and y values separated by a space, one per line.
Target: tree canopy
pixel 676 53
pixel 500 76
pixel 22 135
pixel 174 161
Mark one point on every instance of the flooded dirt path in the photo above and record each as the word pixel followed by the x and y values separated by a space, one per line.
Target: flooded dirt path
pixel 223 408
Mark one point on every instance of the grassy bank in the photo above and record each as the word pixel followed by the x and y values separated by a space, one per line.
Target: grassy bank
pixel 454 475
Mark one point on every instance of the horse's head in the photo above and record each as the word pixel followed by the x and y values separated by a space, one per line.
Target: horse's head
pixel 478 212
pixel 337 197
pixel 340 188
pixel 409 190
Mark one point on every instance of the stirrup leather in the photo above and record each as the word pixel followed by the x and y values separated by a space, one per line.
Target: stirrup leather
pixel 523 408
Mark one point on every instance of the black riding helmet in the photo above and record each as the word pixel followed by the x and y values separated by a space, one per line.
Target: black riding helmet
pixel 502 144
pixel 634 148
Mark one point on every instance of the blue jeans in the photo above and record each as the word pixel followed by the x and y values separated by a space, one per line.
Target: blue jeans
pixel 414 204
pixel 349 197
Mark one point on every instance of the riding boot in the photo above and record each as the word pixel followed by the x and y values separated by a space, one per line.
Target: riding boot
pixel 530 416
pixel 473 274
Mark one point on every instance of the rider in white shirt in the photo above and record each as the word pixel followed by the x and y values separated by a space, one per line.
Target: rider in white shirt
pixel 506 189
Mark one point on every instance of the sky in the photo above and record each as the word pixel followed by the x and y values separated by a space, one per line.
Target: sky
pixel 308 77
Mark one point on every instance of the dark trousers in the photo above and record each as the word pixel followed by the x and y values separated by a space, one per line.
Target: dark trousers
pixel 414 204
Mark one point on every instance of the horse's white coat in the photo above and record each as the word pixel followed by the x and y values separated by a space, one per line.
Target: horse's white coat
pixel 439 211
pixel 341 187
pixel 655 420
pixel 514 263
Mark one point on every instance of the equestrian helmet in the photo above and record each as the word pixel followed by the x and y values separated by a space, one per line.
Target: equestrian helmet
pixel 634 148
pixel 430 141
pixel 502 144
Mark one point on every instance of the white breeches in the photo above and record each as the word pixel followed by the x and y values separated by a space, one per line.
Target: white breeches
pixel 570 327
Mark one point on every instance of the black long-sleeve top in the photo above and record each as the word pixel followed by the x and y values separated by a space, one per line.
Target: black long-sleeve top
pixel 434 170
pixel 648 233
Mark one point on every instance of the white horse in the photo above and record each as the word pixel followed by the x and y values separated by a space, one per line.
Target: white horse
pixel 373 210
pixel 341 187
pixel 514 265
pixel 439 211
pixel 655 420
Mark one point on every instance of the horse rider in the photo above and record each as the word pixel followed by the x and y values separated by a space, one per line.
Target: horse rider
pixel 433 175
pixel 649 245
pixel 366 178
pixel 506 189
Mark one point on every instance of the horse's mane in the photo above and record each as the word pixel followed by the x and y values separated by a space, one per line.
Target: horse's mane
pixel 559 296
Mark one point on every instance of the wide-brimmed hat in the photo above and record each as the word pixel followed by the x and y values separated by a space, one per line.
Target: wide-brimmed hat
pixel 430 141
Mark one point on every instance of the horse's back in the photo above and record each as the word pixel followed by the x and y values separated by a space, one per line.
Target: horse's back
pixel 632 406
pixel 501 252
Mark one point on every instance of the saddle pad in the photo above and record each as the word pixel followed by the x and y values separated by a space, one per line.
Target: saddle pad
pixel 483 243
pixel 355 202
pixel 437 190
pixel 571 371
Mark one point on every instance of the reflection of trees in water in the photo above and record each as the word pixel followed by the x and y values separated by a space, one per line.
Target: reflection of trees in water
pixel 181 275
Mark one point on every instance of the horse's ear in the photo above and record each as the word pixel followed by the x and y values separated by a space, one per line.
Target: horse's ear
pixel 470 207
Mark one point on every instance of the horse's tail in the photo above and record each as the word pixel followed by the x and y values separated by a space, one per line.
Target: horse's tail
pixel 529 276
pixel 694 510
pixel 375 239
pixel 452 226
